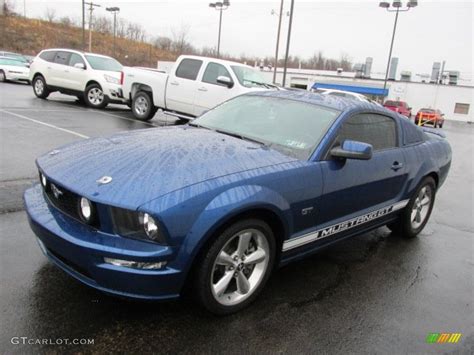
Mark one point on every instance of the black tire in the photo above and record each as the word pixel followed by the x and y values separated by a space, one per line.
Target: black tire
pixel 40 88
pixel 404 225
pixel 204 270
pixel 3 78
pixel 142 106
pixel 95 97
pixel 440 125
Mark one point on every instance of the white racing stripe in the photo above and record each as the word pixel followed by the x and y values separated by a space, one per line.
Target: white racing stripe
pixel 45 124
pixel 343 226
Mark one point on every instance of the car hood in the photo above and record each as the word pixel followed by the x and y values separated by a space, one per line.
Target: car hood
pixel 147 164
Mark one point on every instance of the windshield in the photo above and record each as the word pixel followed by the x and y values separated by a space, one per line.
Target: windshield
pixel 14 62
pixel 103 63
pixel 427 110
pixel 292 127
pixel 248 77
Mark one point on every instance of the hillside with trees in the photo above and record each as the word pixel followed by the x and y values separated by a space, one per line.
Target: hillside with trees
pixel 134 46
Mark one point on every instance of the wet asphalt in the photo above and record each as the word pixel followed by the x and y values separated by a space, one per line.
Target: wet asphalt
pixel 376 293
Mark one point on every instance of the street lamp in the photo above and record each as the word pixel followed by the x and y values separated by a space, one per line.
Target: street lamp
pixel 288 43
pixel 220 6
pixel 114 11
pixel 398 7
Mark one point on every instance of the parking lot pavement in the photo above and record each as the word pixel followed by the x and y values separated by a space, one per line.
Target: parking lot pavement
pixel 376 293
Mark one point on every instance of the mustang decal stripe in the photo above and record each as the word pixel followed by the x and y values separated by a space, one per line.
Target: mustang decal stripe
pixel 343 226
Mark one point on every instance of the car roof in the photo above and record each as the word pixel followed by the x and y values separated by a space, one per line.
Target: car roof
pixel 75 51
pixel 334 102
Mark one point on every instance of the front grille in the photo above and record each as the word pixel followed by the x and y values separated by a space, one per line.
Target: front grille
pixel 68 202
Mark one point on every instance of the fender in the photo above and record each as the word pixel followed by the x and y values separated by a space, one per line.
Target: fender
pixel 223 208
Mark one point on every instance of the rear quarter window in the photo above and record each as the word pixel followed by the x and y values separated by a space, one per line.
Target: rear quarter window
pixel 48 56
pixel 188 69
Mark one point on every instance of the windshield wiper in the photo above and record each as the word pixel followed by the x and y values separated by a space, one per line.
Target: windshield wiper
pixel 239 136
pixel 268 86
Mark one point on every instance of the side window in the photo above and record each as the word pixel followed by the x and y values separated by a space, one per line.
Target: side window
pixel 378 130
pixel 213 71
pixel 48 56
pixel 76 58
pixel 189 69
pixel 62 58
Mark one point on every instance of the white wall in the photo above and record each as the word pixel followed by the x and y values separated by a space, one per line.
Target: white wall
pixel 418 95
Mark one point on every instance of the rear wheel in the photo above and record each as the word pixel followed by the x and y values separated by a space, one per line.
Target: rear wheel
pixel 441 124
pixel 94 96
pixel 235 267
pixel 418 210
pixel 3 78
pixel 39 87
pixel 142 106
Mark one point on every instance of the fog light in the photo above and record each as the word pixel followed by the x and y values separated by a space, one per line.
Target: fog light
pixel 135 264
pixel 86 209
pixel 43 180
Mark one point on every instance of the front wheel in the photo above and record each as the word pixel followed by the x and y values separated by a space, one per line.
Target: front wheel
pixel 418 210
pixel 94 96
pixel 39 87
pixel 143 107
pixel 235 267
pixel 3 78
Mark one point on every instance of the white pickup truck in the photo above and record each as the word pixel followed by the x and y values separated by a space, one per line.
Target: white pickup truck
pixel 193 86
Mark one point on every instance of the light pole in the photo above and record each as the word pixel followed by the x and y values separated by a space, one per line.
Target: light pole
pixel 397 5
pixel 83 25
pixel 114 11
pixel 280 15
pixel 220 6
pixel 288 42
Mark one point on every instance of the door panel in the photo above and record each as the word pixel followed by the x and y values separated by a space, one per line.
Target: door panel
pixel 182 86
pixel 210 93
pixel 58 74
pixel 76 78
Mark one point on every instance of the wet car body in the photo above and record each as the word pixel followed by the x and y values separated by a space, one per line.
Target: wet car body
pixel 194 181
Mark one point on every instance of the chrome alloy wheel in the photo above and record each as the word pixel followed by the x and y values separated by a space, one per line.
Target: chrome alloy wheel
pixel 240 267
pixel 421 207
pixel 141 106
pixel 39 87
pixel 95 96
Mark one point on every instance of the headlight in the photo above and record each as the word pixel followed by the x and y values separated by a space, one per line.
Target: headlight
pixel 111 79
pixel 150 226
pixel 85 207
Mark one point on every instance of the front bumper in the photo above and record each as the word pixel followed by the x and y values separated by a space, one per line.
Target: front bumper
pixel 114 92
pixel 80 250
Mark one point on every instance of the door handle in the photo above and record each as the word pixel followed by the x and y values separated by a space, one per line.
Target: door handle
pixel 49 67
pixel 397 166
pixel 174 83
pixel 202 89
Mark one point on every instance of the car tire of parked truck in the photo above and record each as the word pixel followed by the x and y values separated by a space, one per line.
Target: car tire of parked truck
pixel 40 88
pixel 234 266
pixel 417 212
pixel 143 107
pixel 94 96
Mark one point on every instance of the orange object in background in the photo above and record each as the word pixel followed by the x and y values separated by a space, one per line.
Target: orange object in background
pixel 429 116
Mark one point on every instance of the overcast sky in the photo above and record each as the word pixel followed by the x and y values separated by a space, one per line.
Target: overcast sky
pixel 433 31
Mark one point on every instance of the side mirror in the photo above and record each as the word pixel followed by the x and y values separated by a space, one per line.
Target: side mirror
pixel 225 80
pixel 409 108
pixel 353 150
pixel 80 66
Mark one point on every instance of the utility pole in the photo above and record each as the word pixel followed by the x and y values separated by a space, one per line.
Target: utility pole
pixel 288 43
pixel 278 41
pixel 91 9
pixel 83 26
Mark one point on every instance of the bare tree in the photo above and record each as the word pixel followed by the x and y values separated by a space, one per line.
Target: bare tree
pixel 50 14
pixel 180 40
pixel 163 43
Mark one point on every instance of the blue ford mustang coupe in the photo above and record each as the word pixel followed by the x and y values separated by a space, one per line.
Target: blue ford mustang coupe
pixel 261 180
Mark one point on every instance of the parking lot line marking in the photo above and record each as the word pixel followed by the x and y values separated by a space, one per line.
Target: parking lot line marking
pixel 45 124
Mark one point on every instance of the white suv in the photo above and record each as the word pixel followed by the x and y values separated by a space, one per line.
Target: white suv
pixel 93 78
